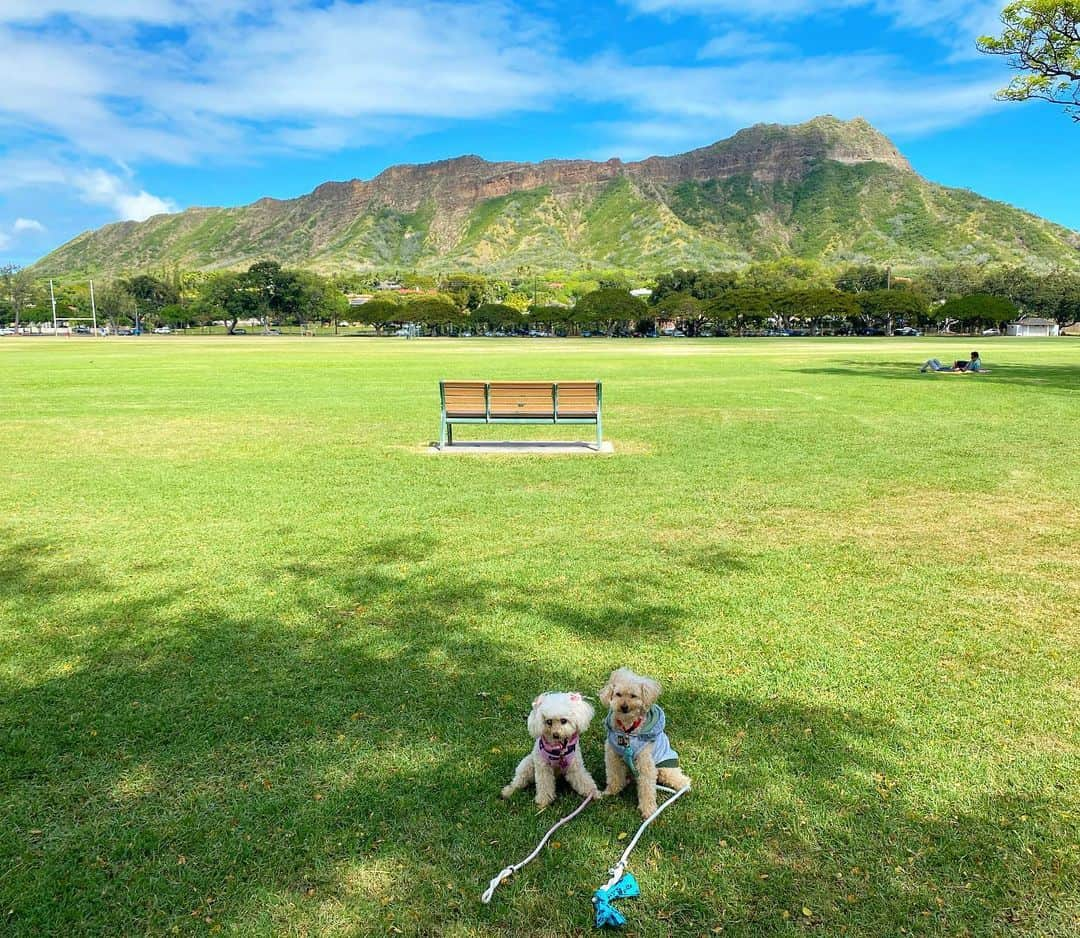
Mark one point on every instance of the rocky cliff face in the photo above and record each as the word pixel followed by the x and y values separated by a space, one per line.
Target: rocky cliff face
pixel 828 189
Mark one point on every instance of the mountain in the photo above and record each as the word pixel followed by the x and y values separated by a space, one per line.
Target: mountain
pixel 825 190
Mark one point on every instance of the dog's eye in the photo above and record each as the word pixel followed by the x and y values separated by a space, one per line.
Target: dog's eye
pixel 562 720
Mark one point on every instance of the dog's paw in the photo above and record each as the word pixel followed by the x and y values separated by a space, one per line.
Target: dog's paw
pixel 507 791
pixel 542 801
pixel 647 810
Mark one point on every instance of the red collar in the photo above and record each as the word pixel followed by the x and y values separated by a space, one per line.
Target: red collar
pixel 628 729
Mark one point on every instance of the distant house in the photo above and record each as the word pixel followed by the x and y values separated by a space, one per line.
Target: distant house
pixel 1032 325
pixel 359 299
pixel 642 292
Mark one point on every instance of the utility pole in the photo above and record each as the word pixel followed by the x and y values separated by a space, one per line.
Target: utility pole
pixel 888 276
pixel 52 298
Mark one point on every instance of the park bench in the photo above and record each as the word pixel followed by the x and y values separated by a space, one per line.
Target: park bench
pixel 524 402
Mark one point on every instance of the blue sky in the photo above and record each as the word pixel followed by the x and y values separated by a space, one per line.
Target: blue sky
pixel 117 109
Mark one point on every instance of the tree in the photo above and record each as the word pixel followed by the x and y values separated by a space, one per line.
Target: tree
pixel 817 305
pixel 1042 39
pixel 888 306
pixel 117 304
pixel 741 305
pixel 230 297
pixel 859 278
pixel 467 291
pixel 378 313
pixel 700 284
pixel 434 311
pixel 684 308
pixel 151 294
pixel 19 291
pixel 267 283
pixel 976 309
pixel 608 307
pixel 496 315
pixel 303 296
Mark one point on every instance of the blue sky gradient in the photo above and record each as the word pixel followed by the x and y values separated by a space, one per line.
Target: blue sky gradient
pixel 118 109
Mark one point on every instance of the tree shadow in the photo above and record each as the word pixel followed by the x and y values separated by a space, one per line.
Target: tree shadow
pixel 191 768
pixel 1049 376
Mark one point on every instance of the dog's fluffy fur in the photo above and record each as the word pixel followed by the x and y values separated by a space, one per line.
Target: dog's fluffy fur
pixel 555 718
pixel 629 696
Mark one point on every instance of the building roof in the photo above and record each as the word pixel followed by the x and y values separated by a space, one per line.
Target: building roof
pixel 1034 321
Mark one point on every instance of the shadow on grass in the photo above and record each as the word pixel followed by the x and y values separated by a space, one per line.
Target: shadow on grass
pixel 1056 377
pixel 193 768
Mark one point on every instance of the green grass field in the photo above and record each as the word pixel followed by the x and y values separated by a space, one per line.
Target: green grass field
pixel 265 664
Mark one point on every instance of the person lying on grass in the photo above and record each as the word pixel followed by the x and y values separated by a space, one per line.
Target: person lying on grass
pixel 934 364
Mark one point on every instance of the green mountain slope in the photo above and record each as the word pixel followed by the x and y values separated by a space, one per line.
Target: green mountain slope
pixel 826 190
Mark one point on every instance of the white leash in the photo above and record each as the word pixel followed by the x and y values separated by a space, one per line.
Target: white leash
pixel 619 868
pixel 511 870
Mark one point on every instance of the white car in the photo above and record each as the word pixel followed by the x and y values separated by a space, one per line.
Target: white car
pixel 163 330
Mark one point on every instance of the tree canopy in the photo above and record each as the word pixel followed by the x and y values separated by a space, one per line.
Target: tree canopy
pixel 1041 39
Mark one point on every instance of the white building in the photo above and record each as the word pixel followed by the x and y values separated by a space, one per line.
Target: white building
pixel 1032 325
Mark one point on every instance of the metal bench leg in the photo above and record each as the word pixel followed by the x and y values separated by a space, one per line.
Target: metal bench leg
pixel 442 432
pixel 599 433
pixel 450 434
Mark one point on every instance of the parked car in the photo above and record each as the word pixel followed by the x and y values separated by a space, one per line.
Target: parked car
pixel 163 330
pixel 7 332
pixel 991 332
pixel 908 331
pixel 239 332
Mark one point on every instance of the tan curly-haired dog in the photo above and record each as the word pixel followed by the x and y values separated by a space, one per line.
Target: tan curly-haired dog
pixel 636 741
pixel 556 722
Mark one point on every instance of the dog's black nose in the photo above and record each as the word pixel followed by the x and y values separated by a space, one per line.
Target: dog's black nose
pixel 625 708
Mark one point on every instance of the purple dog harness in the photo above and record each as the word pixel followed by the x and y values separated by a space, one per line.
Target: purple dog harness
pixel 559 757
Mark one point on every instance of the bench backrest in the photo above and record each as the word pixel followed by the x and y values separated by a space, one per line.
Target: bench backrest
pixel 465 398
pixel 522 399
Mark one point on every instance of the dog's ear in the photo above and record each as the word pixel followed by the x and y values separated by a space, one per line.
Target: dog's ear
pixel 607 690
pixel 650 691
pixel 535 722
pixel 582 712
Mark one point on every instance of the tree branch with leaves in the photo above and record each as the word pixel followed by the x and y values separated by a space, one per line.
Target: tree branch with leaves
pixel 1041 39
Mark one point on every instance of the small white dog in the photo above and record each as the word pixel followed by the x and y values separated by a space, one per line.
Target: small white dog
pixel 636 740
pixel 556 723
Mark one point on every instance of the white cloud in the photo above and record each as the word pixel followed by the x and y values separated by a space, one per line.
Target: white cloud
pixel 955 23
pixel 93 186
pixel 739 44
pixel 102 188
pixel 687 107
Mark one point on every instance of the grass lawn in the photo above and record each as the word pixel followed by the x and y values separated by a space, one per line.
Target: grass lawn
pixel 265 664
